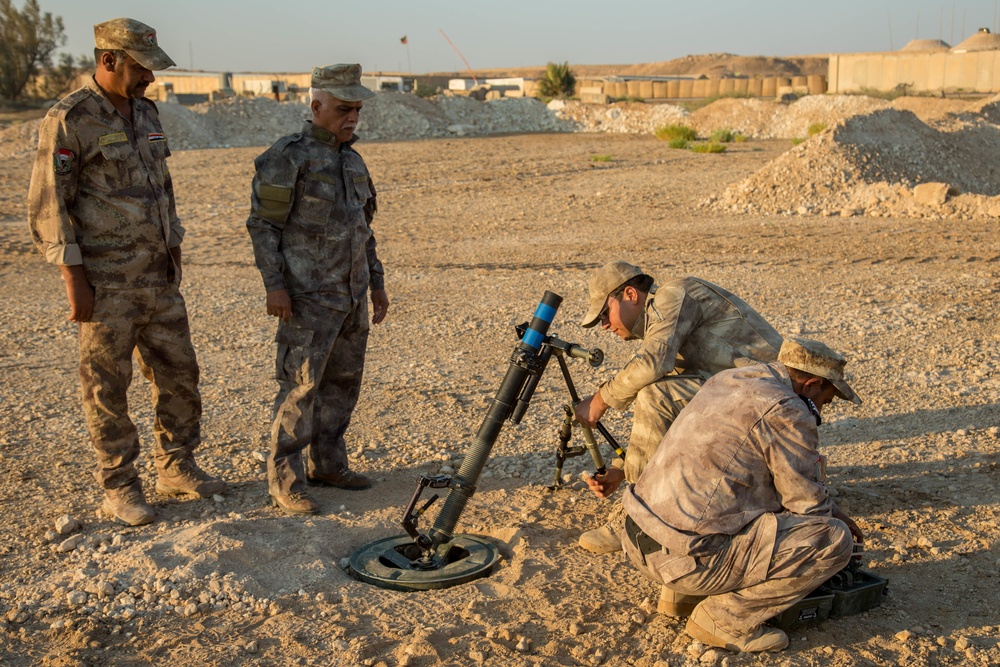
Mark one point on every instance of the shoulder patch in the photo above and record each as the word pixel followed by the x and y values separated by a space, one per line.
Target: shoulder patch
pixel 157 136
pixel 62 161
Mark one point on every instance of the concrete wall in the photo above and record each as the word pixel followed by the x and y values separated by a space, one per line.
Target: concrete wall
pixel 935 72
pixel 595 90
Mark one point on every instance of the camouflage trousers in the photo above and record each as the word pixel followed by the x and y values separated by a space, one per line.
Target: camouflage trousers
pixel 319 367
pixel 775 561
pixel 655 408
pixel 152 322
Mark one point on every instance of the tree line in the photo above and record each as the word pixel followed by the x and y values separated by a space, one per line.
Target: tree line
pixel 29 39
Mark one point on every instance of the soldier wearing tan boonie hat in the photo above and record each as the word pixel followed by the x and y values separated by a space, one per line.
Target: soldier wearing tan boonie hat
pixel 134 38
pixel 815 358
pixel 689 330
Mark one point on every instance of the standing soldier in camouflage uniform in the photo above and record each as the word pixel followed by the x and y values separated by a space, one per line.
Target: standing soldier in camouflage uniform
pixel 690 330
pixel 310 221
pixel 731 513
pixel 101 207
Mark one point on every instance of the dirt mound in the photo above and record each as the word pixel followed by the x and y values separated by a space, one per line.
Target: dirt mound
pixel 717 65
pixel 20 140
pixel 707 64
pixel 879 164
pixel 620 117
pixel 240 122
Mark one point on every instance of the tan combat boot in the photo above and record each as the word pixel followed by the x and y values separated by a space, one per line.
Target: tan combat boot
pixel 295 503
pixel 677 604
pixel 703 627
pixel 127 505
pixel 184 477
pixel 605 540
pixel 341 479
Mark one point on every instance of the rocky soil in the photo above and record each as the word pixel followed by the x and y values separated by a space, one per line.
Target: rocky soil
pixel 472 232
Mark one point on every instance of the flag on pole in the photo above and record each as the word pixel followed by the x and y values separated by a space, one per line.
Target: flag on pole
pixel 402 40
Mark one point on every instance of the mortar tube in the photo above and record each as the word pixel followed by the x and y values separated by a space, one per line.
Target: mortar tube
pixel 464 483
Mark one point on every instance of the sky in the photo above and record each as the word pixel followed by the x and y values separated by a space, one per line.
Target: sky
pixel 295 35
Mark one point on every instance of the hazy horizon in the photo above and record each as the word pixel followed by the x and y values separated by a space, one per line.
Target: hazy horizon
pixel 231 35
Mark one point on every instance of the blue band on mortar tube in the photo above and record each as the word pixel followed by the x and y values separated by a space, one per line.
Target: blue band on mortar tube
pixel 541 320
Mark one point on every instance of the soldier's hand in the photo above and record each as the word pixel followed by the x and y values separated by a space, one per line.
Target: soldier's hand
pixel 856 532
pixel 279 304
pixel 606 484
pixel 590 410
pixel 79 292
pixel 380 305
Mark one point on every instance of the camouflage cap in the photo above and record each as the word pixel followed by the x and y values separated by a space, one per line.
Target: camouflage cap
pixel 815 358
pixel 134 38
pixel 606 280
pixel 341 81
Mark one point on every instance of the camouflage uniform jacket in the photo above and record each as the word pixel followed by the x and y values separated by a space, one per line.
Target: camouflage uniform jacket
pixel 696 328
pixel 310 220
pixel 101 194
pixel 745 445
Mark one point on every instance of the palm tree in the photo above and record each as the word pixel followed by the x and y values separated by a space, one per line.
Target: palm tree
pixel 558 81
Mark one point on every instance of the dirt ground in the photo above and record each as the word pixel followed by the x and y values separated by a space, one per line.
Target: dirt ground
pixel 472 233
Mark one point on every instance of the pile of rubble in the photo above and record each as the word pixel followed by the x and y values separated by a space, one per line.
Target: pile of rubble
pixel 884 163
pixel 870 161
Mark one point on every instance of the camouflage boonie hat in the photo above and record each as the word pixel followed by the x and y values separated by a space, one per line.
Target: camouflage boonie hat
pixel 341 81
pixel 815 358
pixel 134 38
pixel 606 280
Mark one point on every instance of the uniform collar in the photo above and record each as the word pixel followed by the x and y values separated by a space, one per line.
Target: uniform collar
pixel 101 96
pixel 310 129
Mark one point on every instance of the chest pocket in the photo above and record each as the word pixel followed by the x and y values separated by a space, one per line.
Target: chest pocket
pixel 358 187
pixel 123 169
pixel 316 203
pixel 159 149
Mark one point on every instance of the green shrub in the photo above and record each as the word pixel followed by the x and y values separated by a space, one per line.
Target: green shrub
pixel 558 82
pixel 424 90
pixel 678 143
pixel 797 140
pixel 740 138
pixel 816 128
pixel 709 147
pixel 675 131
pixel 723 136
pixel 601 158
pixel 629 98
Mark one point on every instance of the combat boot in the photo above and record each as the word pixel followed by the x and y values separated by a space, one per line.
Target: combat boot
pixel 703 627
pixel 184 477
pixel 295 503
pixel 605 540
pixel 342 479
pixel 128 505
pixel 677 604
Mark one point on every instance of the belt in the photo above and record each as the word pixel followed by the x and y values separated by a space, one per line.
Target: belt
pixel 643 542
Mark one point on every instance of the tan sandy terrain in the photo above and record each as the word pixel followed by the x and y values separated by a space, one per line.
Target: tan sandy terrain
pixel 472 233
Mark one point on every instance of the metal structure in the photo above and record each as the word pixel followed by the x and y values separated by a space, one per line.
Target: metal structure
pixel 439 558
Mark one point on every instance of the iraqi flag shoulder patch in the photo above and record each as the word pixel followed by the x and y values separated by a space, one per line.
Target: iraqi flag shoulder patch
pixel 156 136
pixel 62 161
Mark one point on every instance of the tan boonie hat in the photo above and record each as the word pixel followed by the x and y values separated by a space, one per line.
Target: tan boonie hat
pixel 606 280
pixel 815 358
pixel 341 81
pixel 134 38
